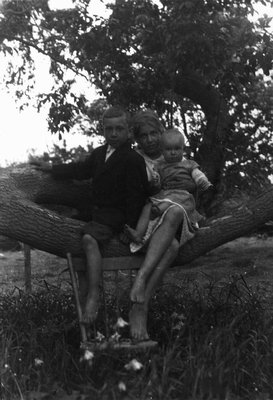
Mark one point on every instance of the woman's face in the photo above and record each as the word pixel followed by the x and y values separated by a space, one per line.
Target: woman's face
pixel 149 140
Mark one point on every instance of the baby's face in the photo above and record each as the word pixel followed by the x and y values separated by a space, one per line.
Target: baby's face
pixel 172 148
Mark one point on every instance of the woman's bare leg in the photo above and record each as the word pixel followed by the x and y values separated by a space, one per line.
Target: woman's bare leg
pixel 93 269
pixel 139 311
pixel 159 243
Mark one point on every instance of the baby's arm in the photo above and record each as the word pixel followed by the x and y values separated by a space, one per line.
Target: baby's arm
pixel 200 179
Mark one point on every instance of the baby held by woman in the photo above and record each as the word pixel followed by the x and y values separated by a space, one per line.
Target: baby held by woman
pixel 180 178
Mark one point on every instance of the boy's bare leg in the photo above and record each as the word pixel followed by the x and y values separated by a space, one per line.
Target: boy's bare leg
pixel 93 268
pixel 159 243
pixel 139 311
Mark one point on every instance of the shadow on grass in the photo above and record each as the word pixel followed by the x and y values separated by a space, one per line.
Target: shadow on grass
pixel 214 343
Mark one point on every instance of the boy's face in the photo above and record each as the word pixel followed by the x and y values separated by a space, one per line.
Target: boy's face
pixel 149 140
pixel 172 148
pixel 116 131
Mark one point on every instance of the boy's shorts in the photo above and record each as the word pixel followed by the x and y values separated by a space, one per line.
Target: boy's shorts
pixel 102 233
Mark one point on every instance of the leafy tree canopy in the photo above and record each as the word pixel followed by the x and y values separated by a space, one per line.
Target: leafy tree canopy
pixel 201 64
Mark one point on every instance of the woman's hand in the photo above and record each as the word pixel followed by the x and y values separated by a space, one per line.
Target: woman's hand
pixel 155 181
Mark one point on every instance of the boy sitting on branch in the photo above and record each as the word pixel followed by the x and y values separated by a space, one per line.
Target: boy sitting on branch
pixel 119 191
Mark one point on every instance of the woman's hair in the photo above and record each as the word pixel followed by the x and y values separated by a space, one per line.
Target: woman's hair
pixel 146 117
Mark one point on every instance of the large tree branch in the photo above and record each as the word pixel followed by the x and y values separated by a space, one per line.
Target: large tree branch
pixel 210 154
pixel 23 219
pixel 58 59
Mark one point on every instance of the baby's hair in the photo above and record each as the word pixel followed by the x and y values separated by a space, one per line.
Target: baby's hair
pixel 116 112
pixel 173 132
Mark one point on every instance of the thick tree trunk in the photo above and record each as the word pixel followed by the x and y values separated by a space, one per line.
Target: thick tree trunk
pixel 22 218
pixel 210 154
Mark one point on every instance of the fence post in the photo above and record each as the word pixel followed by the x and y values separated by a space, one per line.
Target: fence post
pixel 27 259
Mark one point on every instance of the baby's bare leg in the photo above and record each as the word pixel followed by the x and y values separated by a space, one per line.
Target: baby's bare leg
pixel 137 234
pixel 94 268
pixel 133 234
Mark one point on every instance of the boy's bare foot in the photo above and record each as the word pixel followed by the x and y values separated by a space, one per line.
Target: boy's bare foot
pixel 138 322
pixel 137 294
pixel 91 309
pixel 133 234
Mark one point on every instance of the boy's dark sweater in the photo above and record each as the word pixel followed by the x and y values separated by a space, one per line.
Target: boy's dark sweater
pixel 119 185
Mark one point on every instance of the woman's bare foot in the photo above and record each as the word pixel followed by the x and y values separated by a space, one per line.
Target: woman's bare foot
pixel 137 294
pixel 91 309
pixel 133 234
pixel 138 322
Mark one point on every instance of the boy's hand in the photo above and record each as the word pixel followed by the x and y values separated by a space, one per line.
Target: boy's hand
pixel 41 165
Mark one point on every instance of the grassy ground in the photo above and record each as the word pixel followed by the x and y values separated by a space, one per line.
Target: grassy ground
pixel 212 320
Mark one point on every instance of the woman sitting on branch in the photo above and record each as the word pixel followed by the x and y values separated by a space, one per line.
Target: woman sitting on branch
pixel 177 218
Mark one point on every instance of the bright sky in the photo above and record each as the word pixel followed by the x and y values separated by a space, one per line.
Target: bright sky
pixel 26 132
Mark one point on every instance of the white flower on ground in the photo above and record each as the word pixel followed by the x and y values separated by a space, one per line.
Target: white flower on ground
pixel 99 336
pixel 38 362
pixel 133 365
pixel 122 386
pixel 181 320
pixel 179 325
pixel 120 323
pixel 88 357
pixel 115 337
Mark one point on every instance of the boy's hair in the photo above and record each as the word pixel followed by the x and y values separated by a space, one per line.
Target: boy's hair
pixel 173 132
pixel 146 117
pixel 116 112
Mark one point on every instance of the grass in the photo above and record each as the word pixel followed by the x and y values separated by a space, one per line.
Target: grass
pixel 214 343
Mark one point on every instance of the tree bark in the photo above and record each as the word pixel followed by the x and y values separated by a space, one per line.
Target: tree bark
pixel 22 190
pixel 210 154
